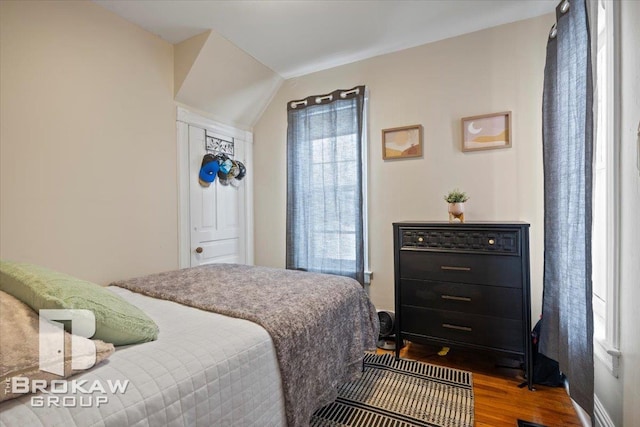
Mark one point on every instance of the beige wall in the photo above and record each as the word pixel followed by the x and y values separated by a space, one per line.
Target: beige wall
pixel 435 85
pixel 87 142
pixel 230 85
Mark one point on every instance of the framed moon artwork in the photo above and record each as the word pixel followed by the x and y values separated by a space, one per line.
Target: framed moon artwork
pixel 486 132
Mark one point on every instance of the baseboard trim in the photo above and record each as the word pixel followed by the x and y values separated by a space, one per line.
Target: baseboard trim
pixel 600 414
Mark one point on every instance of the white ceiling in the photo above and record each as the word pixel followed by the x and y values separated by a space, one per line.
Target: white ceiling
pixel 297 37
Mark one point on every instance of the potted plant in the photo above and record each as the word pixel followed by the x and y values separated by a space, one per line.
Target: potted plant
pixel 456 199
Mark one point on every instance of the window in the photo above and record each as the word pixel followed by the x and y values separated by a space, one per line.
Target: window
pixel 326 184
pixel 605 238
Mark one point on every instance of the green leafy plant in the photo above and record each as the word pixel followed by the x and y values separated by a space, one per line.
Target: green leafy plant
pixel 456 196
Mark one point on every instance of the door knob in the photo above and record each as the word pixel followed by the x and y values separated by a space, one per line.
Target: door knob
pixel 198 250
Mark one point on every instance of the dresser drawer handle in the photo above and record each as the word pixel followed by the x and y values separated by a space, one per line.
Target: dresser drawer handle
pixel 456 327
pixel 455 298
pixel 446 267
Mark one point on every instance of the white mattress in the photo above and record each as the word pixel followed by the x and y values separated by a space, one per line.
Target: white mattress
pixel 205 369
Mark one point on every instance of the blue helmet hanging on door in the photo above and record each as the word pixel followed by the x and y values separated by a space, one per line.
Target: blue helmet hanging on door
pixel 208 170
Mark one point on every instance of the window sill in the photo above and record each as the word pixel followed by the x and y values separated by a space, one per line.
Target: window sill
pixel 609 355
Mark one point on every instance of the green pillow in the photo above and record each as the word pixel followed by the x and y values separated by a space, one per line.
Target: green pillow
pixel 117 321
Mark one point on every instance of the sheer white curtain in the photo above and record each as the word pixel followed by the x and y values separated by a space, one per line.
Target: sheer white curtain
pixel 325 184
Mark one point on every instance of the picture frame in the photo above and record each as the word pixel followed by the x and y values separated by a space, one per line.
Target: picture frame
pixel 486 132
pixel 403 142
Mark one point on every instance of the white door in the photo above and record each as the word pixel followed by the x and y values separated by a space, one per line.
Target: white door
pixel 217 212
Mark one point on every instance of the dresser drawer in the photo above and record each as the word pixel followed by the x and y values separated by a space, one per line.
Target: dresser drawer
pixel 494 270
pixel 485 331
pixel 497 241
pixel 473 299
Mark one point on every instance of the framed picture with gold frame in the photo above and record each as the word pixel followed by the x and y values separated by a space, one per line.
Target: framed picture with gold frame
pixel 402 142
pixel 486 132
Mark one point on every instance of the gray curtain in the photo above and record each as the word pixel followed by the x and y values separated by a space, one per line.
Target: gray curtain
pixel 567 327
pixel 324 184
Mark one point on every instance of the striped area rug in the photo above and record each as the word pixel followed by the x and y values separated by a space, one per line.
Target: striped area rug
pixel 401 393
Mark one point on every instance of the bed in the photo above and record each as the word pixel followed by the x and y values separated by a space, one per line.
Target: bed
pixel 219 369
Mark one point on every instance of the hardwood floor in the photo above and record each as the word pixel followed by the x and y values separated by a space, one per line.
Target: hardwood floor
pixel 498 400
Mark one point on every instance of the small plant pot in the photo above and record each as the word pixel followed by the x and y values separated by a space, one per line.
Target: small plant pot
pixel 456 211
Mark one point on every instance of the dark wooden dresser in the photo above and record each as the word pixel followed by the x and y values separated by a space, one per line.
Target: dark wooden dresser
pixel 464 285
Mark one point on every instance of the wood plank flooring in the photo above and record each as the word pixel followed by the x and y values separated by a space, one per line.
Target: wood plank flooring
pixel 498 400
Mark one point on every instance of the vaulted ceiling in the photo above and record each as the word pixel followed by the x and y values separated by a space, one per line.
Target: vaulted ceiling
pixel 230 52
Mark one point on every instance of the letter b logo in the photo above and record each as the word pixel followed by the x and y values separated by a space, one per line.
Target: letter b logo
pixel 51 336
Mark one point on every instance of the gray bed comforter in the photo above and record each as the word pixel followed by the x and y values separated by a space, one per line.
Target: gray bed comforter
pixel 320 324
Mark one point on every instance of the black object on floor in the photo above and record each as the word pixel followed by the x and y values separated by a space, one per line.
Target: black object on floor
pixel 522 423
